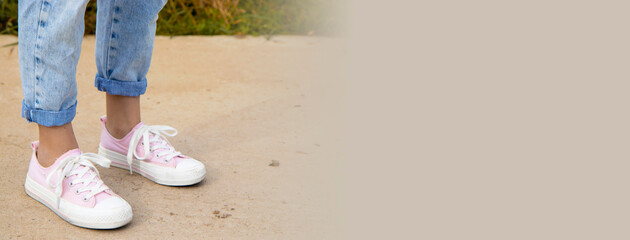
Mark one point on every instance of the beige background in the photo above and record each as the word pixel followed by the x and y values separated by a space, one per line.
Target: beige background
pixel 489 120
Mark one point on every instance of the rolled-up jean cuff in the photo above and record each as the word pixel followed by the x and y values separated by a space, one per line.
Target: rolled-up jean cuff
pixel 48 118
pixel 123 88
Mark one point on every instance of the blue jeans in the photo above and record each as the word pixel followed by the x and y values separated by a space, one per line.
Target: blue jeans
pixel 50 34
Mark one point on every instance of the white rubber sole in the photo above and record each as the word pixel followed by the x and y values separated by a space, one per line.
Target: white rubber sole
pixel 161 175
pixel 77 215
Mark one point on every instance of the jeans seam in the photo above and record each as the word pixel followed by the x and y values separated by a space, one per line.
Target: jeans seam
pixel 109 43
pixel 37 53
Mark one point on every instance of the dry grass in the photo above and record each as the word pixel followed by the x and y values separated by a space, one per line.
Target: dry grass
pixel 219 17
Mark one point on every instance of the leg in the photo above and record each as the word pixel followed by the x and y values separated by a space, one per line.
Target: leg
pixel 53 142
pixel 50 36
pixel 123 113
pixel 59 175
pixel 125 33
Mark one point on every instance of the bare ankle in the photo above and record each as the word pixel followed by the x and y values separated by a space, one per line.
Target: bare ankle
pixel 123 113
pixel 119 130
pixel 54 142
pixel 45 157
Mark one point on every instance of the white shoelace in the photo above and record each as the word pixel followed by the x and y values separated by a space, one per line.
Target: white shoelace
pixel 152 134
pixel 70 166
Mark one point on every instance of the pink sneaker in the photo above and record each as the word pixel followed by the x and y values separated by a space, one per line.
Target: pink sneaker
pixel 146 149
pixel 73 190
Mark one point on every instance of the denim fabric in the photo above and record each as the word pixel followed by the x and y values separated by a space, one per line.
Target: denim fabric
pixel 125 31
pixel 49 47
pixel 50 35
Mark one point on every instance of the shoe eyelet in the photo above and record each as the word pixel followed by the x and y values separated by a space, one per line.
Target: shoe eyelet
pixel 77 192
pixel 166 160
pixel 86 199
pixel 70 184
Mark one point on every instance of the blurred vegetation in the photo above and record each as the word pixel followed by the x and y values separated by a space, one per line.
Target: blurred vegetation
pixel 8 17
pixel 220 17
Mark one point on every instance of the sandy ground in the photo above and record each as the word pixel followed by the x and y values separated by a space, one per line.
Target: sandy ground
pixel 238 104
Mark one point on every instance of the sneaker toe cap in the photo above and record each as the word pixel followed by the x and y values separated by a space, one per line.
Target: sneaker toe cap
pixel 189 164
pixel 112 203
